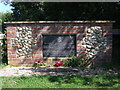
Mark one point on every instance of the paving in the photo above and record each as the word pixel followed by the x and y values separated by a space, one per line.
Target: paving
pixel 54 71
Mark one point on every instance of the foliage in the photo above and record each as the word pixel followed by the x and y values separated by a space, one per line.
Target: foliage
pixel 66 81
pixel 38 11
pixel 2 65
pixel 41 64
pixel 23 11
pixel 4 17
pixel 4 55
pixel 73 62
pixel 76 62
pixel 110 65
pixel 27 11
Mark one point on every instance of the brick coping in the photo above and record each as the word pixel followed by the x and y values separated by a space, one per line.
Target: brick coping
pixel 34 22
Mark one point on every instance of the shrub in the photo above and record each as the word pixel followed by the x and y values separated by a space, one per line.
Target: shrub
pixel 43 64
pixel 36 64
pixel 76 62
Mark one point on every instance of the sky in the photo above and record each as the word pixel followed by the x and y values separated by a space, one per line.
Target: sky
pixel 5 8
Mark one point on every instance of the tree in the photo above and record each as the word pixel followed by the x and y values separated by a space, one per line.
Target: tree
pixel 4 17
pixel 27 11
pixel 38 11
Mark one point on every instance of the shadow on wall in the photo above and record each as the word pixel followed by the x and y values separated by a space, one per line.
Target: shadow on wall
pixel 116 49
pixel 90 39
pixel 93 39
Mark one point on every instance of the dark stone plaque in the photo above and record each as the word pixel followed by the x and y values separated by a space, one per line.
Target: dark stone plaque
pixel 59 45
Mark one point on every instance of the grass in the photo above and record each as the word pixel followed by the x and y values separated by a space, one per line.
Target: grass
pixel 2 65
pixel 66 81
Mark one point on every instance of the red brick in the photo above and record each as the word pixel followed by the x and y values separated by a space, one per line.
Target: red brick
pixel 107 27
pixel 8 39
pixel 36 52
pixel 12 55
pixel 72 31
pixel 66 31
pixel 75 32
pixel 107 32
pixel 36 59
pixel 39 43
pixel 108 56
pixel 74 28
pixel 16 59
pixel 11 32
pixel 8 46
pixel 79 38
pixel 26 59
pixel 11 28
pixel 110 49
pixel 37 55
pixel 82 31
pixel 8 33
pixel 108 52
pixel 34 28
pixel 108 36
pixel 83 52
pixel 61 28
pixel 82 49
pixel 11 52
pixel 11 49
pixel 108 60
pixel 12 62
pixel 8 42
pixel 11 35
pixel 81 28
pixel 39 28
pixel 106 24
pixel 51 28
pixel 16 63
pixel 43 32
pixel 36 49
pixel 79 45
pixel 27 62
pixel 79 55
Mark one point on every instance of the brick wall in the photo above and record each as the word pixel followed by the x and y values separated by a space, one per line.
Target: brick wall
pixel 39 28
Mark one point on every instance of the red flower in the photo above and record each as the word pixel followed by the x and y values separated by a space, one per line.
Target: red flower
pixel 59 63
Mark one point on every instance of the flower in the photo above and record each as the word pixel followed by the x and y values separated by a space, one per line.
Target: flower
pixel 58 63
pixel 37 62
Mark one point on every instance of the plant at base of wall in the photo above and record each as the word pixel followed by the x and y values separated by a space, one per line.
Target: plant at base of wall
pixel 36 64
pixel 39 63
pixel 43 64
pixel 80 62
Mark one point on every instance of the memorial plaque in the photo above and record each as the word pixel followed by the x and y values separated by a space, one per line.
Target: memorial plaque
pixel 59 45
